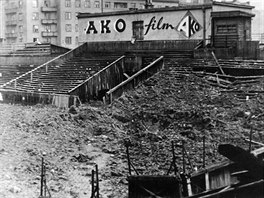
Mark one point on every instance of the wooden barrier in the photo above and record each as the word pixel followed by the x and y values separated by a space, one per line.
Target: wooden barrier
pixel 134 80
pixel 126 46
pixel 153 186
pixel 105 79
pixel 33 98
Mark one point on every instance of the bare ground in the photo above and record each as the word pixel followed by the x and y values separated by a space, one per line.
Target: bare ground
pixel 159 111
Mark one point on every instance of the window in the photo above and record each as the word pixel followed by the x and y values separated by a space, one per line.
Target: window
pixel 48 40
pixel 35 29
pixel 34 3
pixel 97 4
pixel 67 3
pixel 48 28
pixel 76 40
pixel 138 30
pixel 47 3
pixel 47 16
pixel 133 5
pixel 107 5
pixel 120 5
pixel 87 3
pixel 76 28
pixel 20 16
pixel 77 3
pixel 35 15
pixel 20 3
pixel 68 28
pixel 68 40
pixel 68 15
pixel 20 28
pixel 223 29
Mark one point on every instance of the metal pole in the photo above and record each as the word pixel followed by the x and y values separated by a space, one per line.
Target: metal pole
pixel 204 27
pixel 41 177
pixel 174 158
pixel 97 180
pixel 183 156
pixel 128 160
pixel 250 138
pixel 45 181
pixel 92 194
pixel 203 151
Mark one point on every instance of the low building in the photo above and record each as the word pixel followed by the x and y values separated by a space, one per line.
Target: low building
pixel 218 23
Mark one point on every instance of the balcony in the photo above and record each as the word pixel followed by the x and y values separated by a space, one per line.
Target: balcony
pixel 9 10
pixel 11 35
pixel 49 21
pixel 48 9
pixel 49 34
pixel 11 23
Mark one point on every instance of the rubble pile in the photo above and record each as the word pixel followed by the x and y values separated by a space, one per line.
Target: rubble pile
pixel 168 107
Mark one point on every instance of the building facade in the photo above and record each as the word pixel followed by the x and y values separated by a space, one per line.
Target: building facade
pixel 220 24
pixel 2 22
pixel 55 21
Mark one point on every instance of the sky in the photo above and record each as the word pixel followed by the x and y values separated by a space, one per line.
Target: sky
pixel 258 20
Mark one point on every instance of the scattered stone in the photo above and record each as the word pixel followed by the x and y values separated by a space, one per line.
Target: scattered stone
pixel 15 190
pixel 72 110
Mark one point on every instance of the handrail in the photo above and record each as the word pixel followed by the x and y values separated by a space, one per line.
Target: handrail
pixel 97 73
pixel 133 76
pixel 41 66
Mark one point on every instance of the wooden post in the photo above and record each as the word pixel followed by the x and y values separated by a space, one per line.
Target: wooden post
pixel 215 59
pixel 31 76
pixel 207 183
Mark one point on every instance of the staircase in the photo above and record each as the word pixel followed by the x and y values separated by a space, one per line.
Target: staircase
pixel 10 72
pixel 178 62
pixel 62 78
pixel 36 49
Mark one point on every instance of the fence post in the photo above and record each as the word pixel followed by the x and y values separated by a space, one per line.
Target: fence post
pixel 31 76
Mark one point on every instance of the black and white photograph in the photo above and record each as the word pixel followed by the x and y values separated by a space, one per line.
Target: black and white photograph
pixel 131 98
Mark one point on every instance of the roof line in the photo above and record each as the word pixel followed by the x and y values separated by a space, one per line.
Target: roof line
pixel 129 12
pixel 233 5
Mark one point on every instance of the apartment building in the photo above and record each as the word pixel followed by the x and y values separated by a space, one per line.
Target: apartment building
pixel 2 22
pixel 55 21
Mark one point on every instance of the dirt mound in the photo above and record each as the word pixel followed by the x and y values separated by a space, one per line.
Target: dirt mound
pixel 168 107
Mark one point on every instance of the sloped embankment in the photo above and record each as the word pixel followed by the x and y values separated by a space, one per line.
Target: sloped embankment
pixel 167 107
